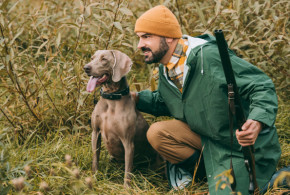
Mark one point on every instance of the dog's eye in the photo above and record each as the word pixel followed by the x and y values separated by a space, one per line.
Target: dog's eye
pixel 104 59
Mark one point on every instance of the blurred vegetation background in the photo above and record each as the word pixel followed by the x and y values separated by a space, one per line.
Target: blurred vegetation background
pixel 44 107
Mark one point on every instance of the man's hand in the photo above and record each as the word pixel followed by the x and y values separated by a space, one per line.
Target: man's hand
pixel 135 96
pixel 249 133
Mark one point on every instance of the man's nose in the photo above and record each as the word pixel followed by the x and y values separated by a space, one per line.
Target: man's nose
pixel 87 68
pixel 140 44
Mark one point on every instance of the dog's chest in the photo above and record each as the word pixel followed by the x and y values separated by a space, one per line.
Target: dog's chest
pixel 117 116
pixel 117 122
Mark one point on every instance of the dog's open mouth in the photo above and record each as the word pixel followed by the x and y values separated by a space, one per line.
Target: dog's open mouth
pixel 94 81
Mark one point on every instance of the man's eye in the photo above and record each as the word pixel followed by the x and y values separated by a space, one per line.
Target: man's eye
pixel 146 36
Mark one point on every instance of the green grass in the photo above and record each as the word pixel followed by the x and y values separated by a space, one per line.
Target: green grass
pixel 46 159
pixel 47 163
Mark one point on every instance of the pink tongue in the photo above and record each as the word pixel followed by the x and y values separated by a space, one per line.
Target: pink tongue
pixel 92 84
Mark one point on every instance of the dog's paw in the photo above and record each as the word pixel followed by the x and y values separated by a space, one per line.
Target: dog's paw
pixel 127 183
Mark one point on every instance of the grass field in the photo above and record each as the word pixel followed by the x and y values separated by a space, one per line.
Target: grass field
pixel 45 145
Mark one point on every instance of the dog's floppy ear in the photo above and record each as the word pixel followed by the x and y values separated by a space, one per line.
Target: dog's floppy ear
pixel 121 66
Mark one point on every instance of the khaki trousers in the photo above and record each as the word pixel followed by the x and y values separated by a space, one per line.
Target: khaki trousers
pixel 173 140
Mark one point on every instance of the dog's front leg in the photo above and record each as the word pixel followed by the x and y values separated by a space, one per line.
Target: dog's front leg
pixel 129 155
pixel 96 148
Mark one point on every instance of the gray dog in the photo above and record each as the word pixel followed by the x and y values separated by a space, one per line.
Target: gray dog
pixel 115 117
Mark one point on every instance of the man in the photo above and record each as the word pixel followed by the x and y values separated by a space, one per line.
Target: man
pixel 192 89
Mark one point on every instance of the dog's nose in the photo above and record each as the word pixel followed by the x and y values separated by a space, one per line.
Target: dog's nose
pixel 87 68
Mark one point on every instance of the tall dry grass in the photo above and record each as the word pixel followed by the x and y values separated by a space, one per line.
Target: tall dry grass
pixel 44 108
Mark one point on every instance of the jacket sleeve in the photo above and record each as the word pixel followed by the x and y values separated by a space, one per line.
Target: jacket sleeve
pixel 255 86
pixel 152 103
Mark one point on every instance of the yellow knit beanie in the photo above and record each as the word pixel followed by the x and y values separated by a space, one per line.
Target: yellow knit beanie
pixel 160 21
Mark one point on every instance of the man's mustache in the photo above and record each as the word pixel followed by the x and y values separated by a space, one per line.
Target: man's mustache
pixel 145 49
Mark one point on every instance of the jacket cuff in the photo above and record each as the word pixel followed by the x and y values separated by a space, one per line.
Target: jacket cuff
pixel 261 115
pixel 144 101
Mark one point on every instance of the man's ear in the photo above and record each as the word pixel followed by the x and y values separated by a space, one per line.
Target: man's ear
pixel 122 65
pixel 169 40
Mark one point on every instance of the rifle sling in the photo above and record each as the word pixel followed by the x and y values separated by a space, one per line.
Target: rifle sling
pixel 236 111
pixel 253 187
pixel 232 112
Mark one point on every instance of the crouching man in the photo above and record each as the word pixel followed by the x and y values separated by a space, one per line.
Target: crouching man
pixel 192 88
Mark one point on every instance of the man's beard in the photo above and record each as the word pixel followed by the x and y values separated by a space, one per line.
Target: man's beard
pixel 157 55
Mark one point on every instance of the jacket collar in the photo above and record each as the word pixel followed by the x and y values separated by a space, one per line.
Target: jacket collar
pixel 192 43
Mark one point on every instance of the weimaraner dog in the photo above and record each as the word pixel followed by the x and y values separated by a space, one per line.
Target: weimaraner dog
pixel 115 117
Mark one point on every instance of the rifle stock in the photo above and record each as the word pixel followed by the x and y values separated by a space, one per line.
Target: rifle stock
pixel 236 109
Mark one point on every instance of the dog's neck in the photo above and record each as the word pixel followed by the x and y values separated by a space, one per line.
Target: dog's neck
pixel 112 87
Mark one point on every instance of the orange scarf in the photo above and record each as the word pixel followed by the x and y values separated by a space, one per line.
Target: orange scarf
pixel 175 66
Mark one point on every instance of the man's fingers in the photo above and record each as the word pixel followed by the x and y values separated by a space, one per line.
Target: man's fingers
pixel 247 124
pixel 249 133
pixel 135 96
pixel 244 135
pixel 246 142
pixel 245 139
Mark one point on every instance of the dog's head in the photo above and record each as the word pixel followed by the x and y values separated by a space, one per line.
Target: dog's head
pixel 107 66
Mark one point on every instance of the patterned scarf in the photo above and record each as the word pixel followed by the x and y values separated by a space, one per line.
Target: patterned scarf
pixel 175 66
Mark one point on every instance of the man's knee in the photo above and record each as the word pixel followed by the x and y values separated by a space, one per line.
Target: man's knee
pixel 154 134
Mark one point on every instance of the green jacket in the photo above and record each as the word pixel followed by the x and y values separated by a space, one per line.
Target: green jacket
pixel 203 106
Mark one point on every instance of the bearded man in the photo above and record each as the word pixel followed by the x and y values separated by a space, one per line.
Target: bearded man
pixel 192 89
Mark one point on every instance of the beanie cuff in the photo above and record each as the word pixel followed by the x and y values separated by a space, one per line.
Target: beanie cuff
pixel 158 28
